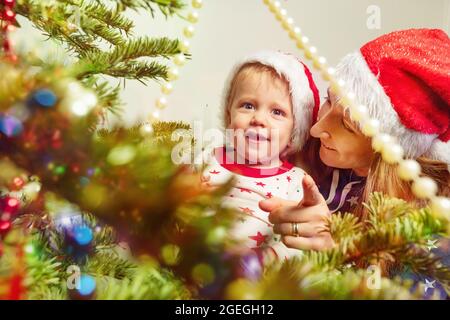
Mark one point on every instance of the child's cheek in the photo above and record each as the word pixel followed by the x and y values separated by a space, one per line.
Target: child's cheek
pixel 242 120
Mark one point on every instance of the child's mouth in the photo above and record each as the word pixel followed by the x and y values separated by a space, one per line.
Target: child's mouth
pixel 256 137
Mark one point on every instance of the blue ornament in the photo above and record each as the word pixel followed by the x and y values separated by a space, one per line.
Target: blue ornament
pixel 83 235
pixel 44 98
pixel 10 126
pixel 84 181
pixel 87 285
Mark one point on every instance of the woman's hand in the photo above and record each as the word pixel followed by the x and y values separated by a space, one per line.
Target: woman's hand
pixel 311 214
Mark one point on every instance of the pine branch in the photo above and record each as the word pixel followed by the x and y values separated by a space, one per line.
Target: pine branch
pixel 108 96
pixel 167 7
pixel 43 271
pixel 113 18
pixel 52 21
pixel 96 29
pixel 425 265
pixel 109 264
pixel 147 283
pixel 141 71
pixel 144 47
pixel 99 22
pixel 298 279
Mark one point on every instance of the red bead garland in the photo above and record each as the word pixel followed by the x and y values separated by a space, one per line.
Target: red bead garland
pixel 7 18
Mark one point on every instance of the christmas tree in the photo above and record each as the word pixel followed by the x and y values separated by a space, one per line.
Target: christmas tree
pixel 94 213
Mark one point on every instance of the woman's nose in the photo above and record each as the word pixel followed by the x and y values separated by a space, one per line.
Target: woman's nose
pixel 317 131
pixel 324 135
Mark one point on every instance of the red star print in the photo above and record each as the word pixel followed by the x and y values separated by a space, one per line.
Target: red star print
pixel 245 190
pixel 288 179
pixel 214 172
pixel 247 210
pixel 269 195
pixel 259 238
pixel 260 184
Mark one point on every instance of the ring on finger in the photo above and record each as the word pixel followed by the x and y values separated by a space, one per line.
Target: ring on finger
pixel 295 229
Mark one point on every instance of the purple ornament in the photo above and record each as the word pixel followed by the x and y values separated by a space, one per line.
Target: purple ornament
pixel 250 267
pixel 10 126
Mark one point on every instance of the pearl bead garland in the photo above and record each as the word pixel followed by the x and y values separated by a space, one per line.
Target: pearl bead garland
pixel 408 170
pixel 179 60
pixel 393 153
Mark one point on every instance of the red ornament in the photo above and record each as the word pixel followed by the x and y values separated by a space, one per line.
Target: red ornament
pixel 56 140
pixel 16 288
pixel 75 168
pixel 9 15
pixel 12 57
pixel 11 205
pixel 5 226
pixel 6 45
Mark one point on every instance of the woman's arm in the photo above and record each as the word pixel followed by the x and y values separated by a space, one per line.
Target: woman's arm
pixel 311 214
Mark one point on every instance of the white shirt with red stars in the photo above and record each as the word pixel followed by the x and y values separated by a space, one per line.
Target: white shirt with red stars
pixel 253 229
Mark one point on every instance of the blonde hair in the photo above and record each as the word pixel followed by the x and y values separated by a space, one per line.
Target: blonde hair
pixel 382 177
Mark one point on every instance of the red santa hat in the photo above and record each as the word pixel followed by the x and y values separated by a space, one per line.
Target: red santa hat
pixel 404 80
pixel 304 94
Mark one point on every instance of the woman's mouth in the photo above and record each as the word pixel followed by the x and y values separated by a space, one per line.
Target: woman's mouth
pixel 326 147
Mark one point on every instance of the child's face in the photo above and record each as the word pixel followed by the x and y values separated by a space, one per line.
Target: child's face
pixel 261 117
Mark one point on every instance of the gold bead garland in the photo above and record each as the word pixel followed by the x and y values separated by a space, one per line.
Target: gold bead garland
pixel 178 61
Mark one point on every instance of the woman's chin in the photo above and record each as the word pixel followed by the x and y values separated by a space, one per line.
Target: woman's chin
pixel 329 157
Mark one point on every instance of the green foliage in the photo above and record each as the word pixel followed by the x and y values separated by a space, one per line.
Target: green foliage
pixel 393 234
pixel 299 279
pixel 100 36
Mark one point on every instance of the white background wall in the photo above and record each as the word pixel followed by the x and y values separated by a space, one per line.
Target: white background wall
pixel 229 29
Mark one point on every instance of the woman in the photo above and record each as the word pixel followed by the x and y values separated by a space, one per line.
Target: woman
pixel 404 80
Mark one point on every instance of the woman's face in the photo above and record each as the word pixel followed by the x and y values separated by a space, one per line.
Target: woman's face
pixel 342 143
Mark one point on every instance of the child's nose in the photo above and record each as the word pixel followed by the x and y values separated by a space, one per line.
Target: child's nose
pixel 259 119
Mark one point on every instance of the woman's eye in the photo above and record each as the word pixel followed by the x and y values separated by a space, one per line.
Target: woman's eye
pixel 347 127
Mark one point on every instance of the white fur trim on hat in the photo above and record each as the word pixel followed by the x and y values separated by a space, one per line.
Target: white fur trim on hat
pixel 440 151
pixel 301 95
pixel 360 80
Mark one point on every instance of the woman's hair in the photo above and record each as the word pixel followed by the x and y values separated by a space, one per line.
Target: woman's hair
pixel 382 177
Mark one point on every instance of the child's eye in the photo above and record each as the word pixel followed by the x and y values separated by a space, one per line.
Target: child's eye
pixel 278 112
pixel 247 106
